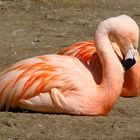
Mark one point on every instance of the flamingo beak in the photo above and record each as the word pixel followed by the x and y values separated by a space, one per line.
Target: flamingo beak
pixel 130 58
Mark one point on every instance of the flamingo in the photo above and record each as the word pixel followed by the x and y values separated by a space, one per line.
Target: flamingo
pixel 62 84
pixel 86 53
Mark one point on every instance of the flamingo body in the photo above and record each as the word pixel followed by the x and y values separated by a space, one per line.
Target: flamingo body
pixel 52 83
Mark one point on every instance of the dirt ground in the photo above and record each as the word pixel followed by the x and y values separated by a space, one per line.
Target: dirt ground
pixel 34 27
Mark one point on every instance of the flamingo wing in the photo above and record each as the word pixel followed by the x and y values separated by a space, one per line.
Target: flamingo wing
pixel 85 50
pixel 81 50
pixel 24 80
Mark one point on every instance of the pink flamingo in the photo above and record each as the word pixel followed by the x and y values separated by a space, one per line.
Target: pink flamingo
pixel 86 52
pixel 62 84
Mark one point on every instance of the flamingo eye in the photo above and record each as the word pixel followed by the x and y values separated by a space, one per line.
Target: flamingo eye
pixel 132 40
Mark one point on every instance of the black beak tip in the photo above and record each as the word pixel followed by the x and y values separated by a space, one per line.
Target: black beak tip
pixel 128 63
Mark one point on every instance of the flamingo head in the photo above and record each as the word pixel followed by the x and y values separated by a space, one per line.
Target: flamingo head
pixel 126 34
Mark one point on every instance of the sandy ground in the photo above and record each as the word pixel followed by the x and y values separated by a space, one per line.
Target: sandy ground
pixel 34 27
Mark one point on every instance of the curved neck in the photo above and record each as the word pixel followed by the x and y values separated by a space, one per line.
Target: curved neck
pixel 113 72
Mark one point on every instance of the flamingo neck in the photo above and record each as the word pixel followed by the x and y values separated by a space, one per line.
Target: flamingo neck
pixel 113 73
